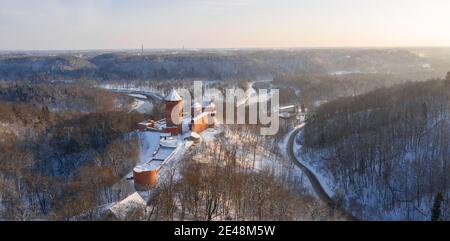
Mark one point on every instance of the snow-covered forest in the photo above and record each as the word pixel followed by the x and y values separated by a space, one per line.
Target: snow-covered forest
pixel 386 151
pixel 376 136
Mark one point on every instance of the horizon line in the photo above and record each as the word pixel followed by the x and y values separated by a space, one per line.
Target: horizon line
pixel 225 48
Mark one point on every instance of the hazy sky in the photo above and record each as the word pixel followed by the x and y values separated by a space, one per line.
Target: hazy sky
pixel 113 24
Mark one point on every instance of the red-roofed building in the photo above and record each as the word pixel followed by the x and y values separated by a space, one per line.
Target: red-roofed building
pixel 174 113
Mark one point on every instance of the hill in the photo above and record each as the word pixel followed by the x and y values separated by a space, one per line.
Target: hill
pixel 209 64
pixel 386 152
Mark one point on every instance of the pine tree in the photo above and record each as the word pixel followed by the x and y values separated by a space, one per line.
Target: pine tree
pixel 436 211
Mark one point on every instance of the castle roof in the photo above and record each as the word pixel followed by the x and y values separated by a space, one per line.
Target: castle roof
pixel 173 96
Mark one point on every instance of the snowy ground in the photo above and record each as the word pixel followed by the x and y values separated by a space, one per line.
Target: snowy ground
pixel 299 176
pixel 265 159
pixel 126 87
pixel 141 106
pixel 133 90
pixel 149 144
pixel 149 141
pixel 210 134
pixel 322 176
pixel 139 96
pixel 364 203
pixel 122 209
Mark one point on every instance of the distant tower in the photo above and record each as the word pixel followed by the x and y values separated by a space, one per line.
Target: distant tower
pixel 174 104
pixel 142 49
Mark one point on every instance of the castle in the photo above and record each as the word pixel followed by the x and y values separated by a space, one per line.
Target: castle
pixel 168 131
pixel 202 117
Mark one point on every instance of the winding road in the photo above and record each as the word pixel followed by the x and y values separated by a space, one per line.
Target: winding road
pixel 318 189
pixel 149 94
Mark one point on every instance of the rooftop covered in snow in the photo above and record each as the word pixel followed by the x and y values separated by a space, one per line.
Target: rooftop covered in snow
pixel 163 153
pixel 121 209
pixel 173 96
pixel 149 166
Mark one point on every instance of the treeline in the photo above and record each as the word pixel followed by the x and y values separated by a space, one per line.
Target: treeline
pixel 218 181
pixel 27 194
pixel 206 64
pixel 387 150
pixel 90 132
pixel 316 88
pixel 75 97
pixel 56 164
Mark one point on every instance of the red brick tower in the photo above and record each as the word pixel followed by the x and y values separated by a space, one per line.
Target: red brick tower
pixel 174 112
